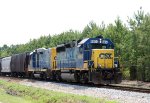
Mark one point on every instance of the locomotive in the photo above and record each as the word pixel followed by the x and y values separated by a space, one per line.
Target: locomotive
pixel 87 60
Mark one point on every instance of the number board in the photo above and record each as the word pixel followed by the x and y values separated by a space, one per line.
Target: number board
pixel 99 41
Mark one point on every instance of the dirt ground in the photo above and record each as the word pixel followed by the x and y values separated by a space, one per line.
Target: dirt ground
pixel 139 84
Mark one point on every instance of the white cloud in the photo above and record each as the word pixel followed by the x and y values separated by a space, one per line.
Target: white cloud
pixel 21 20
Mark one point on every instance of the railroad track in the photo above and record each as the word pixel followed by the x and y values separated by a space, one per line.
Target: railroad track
pixel 128 88
pixel 116 87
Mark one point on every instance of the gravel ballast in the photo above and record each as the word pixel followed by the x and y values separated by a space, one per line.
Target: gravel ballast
pixel 110 94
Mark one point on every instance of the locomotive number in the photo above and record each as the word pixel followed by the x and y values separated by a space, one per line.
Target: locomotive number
pixel 94 41
pixel 99 41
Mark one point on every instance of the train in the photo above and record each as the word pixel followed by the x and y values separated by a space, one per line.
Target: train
pixel 84 61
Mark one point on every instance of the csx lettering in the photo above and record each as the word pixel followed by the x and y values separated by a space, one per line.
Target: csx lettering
pixel 105 56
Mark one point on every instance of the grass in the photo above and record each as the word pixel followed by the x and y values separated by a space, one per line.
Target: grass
pixel 15 93
pixel 6 98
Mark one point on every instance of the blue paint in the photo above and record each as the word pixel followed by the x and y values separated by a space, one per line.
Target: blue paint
pixel 74 57
pixel 40 59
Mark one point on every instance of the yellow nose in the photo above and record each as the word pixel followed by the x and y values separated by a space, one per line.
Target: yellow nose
pixel 103 58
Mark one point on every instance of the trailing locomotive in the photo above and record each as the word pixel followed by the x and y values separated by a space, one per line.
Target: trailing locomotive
pixel 87 60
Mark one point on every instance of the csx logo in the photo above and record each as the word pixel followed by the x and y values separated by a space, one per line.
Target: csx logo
pixel 105 56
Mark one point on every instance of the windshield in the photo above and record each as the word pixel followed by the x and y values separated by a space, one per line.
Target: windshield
pixel 98 46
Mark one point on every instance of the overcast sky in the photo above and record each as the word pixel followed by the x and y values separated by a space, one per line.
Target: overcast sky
pixel 22 20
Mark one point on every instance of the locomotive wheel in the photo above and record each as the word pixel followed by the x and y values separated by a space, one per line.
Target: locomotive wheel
pixel 84 78
pixel 31 75
pixel 77 77
pixel 43 76
pixel 53 77
pixel 58 76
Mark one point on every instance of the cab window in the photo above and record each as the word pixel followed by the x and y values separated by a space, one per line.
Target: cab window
pixel 96 46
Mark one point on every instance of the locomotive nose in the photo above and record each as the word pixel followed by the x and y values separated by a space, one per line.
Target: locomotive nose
pixel 103 58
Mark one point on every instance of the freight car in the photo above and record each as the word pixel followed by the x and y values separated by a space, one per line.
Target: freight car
pixel 16 65
pixel 0 65
pixel 5 66
pixel 87 60
pixel 19 64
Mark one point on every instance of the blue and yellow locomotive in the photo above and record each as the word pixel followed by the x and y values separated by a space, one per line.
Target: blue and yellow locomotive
pixel 87 60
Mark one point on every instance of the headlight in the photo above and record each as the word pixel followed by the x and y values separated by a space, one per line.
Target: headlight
pixel 116 65
pixel 99 65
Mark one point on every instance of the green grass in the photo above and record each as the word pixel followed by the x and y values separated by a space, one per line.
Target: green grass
pixel 15 93
pixel 6 98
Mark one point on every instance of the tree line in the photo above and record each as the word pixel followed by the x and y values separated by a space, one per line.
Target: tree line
pixel 132 43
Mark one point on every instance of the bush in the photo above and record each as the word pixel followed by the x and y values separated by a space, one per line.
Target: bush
pixel 126 73
pixel 133 72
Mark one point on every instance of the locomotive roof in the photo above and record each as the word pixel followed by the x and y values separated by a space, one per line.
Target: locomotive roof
pixel 83 41
pixel 38 50
pixel 96 40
